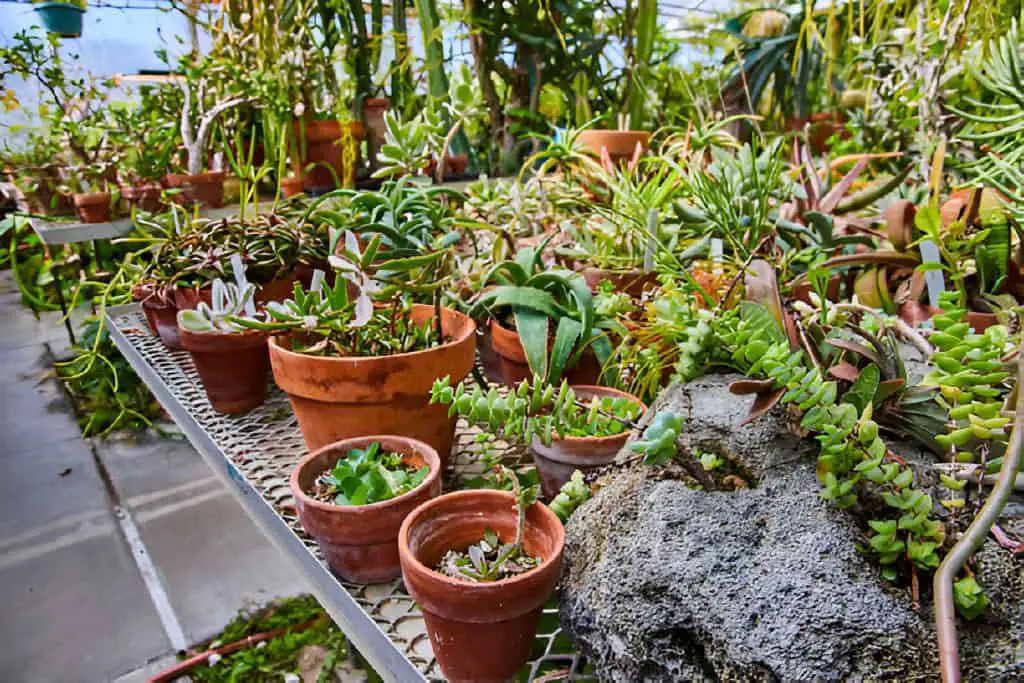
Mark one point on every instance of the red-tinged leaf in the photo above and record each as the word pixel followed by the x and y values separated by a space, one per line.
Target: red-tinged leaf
pixel 742 387
pixel 829 202
pixel 857 348
pixel 844 371
pixel 889 387
pixel 762 404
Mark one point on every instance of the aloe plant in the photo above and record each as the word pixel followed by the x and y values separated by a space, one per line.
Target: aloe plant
pixel 533 298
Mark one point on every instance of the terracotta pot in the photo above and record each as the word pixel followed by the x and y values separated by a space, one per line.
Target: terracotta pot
pixel 981 321
pixel 232 366
pixel 324 164
pixel 556 463
pixel 162 310
pixel 514 367
pixel 823 125
pixel 621 144
pixel 454 164
pixel 292 185
pixel 340 398
pixel 360 542
pixel 283 288
pixel 205 188
pixel 93 207
pixel 632 282
pixel 144 196
pixel 373 112
pixel 480 632
pixel 490 361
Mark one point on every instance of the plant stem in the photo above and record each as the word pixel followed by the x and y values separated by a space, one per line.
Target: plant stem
pixel 942 585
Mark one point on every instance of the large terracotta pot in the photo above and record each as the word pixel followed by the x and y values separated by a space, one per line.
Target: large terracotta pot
pixel 232 366
pixel 205 188
pixel 93 207
pixel 360 542
pixel 620 144
pixel 480 632
pixel 340 398
pixel 324 163
pixel 632 282
pixel 514 367
pixel 161 309
pixel 373 112
pixel 292 185
pixel 556 462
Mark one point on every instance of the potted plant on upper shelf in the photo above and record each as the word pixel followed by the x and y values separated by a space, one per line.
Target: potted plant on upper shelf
pixel 353 495
pixel 231 360
pixel 620 145
pixel 61 18
pixel 199 114
pixel 481 564
pixel 147 138
pixel 92 192
pixel 527 299
pixel 567 429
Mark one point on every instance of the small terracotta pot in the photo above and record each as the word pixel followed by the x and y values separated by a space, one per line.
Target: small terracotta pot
pixel 981 321
pixel 205 188
pixel 454 164
pixel 93 207
pixel 490 361
pixel 325 153
pixel 631 282
pixel 162 310
pixel 283 288
pixel 373 112
pixel 341 398
pixel 360 542
pixel 621 144
pixel 232 366
pixel 480 632
pixel 292 185
pixel 514 367
pixel 556 463
pixel 144 196
pixel 823 125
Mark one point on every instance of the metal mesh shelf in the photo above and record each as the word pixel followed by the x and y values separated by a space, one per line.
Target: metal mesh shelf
pixel 255 453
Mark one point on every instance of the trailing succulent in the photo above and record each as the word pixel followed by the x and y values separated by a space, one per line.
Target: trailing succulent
pixel 854 464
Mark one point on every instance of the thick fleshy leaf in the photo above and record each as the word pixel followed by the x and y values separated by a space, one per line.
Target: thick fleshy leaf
pixel 566 335
pixel 742 387
pixel 764 402
pixel 844 371
pixel 532 327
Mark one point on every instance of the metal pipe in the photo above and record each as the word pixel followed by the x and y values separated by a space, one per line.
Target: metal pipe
pixel 945 608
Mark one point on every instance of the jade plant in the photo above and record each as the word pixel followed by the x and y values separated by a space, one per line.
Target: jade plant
pixel 489 559
pixel 366 476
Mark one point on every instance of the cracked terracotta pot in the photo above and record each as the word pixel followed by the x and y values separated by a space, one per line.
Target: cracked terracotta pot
pixel 557 461
pixel 479 632
pixel 338 398
pixel 360 542
pixel 232 366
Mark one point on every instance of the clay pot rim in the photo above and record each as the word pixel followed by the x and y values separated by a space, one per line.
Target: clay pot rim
pixel 90 198
pixel 615 133
pixel 468 333
pixel 406 553
pixel 246 333
pixel 589 391
pixel 421 448
pixel 203 177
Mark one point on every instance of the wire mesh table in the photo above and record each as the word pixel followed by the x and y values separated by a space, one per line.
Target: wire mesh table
pixel 253 454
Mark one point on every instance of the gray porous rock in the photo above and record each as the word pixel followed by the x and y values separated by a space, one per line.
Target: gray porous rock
pixel 666 583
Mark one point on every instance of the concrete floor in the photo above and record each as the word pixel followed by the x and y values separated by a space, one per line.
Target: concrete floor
pixel 113 554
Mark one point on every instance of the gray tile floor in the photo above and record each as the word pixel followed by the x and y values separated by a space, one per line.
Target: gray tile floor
pixel 76 605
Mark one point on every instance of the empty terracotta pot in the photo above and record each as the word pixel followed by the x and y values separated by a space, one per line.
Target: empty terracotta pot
pixel 161 309
pixel 620 144
pixel 632 282
pixel 340 398
pixel 93 207
pixel 514 368
pixel 205 188
pixel 556 462
pixel 360 542
pixel 480 632
pixel 232 366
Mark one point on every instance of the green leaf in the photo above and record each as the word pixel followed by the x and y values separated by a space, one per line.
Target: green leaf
pixel 532 327
pixel 566 335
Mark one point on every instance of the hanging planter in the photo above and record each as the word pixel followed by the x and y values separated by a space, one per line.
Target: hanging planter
pixel 62 18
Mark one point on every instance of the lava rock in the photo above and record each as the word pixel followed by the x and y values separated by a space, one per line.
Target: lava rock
pixel 666 583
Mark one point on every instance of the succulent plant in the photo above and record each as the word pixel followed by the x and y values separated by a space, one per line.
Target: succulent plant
pixel 227 302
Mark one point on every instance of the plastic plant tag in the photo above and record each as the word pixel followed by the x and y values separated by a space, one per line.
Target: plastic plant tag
pixel 932 278
pixel 716 255
pixel 652 241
